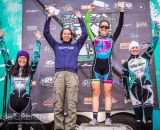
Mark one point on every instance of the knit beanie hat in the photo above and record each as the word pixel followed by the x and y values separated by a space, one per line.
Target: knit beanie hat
pixel 23 53
pixel 133 44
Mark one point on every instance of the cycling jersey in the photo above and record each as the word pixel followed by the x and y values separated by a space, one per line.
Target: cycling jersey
pixel 19 101
pixel 103 46
pixel 136 74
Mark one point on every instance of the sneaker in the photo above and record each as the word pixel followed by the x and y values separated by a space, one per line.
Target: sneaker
pixel 108 122
pixel 93 122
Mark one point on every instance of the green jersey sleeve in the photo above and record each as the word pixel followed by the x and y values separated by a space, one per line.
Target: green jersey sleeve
pixel 87 22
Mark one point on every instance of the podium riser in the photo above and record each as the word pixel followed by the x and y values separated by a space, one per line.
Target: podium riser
pixel 101 126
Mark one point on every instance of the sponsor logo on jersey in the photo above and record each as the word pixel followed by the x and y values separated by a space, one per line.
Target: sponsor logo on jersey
pixel 66 47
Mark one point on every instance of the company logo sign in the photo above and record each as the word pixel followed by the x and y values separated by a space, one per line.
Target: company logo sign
pixel 87 100
pixel 86 83
pixel 47 82
pixel 85 7
pixel 124 45
pixel 127 25
pixel 133 35
pixel 48 102
pixel 141 24
pixel 141 6
pixel 67 8
pixel 31 28
pixel 46 49
pixel 32 11
pixel 53 26
pixel 144 45
pixel 49 63
pixel 127 5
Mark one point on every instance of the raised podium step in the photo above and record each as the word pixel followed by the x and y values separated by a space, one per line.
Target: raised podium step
pixel 101 126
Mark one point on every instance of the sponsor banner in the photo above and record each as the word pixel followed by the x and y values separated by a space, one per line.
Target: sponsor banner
pixel 136 22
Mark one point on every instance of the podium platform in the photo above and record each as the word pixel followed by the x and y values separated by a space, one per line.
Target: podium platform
pixel 101 126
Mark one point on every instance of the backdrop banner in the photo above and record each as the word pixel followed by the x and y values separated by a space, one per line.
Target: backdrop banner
pixel 137 26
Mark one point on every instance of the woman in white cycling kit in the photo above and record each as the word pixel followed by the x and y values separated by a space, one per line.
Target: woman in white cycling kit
pixel 136 79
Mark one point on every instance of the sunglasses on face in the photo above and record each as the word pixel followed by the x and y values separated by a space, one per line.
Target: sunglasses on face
pixel 103 26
